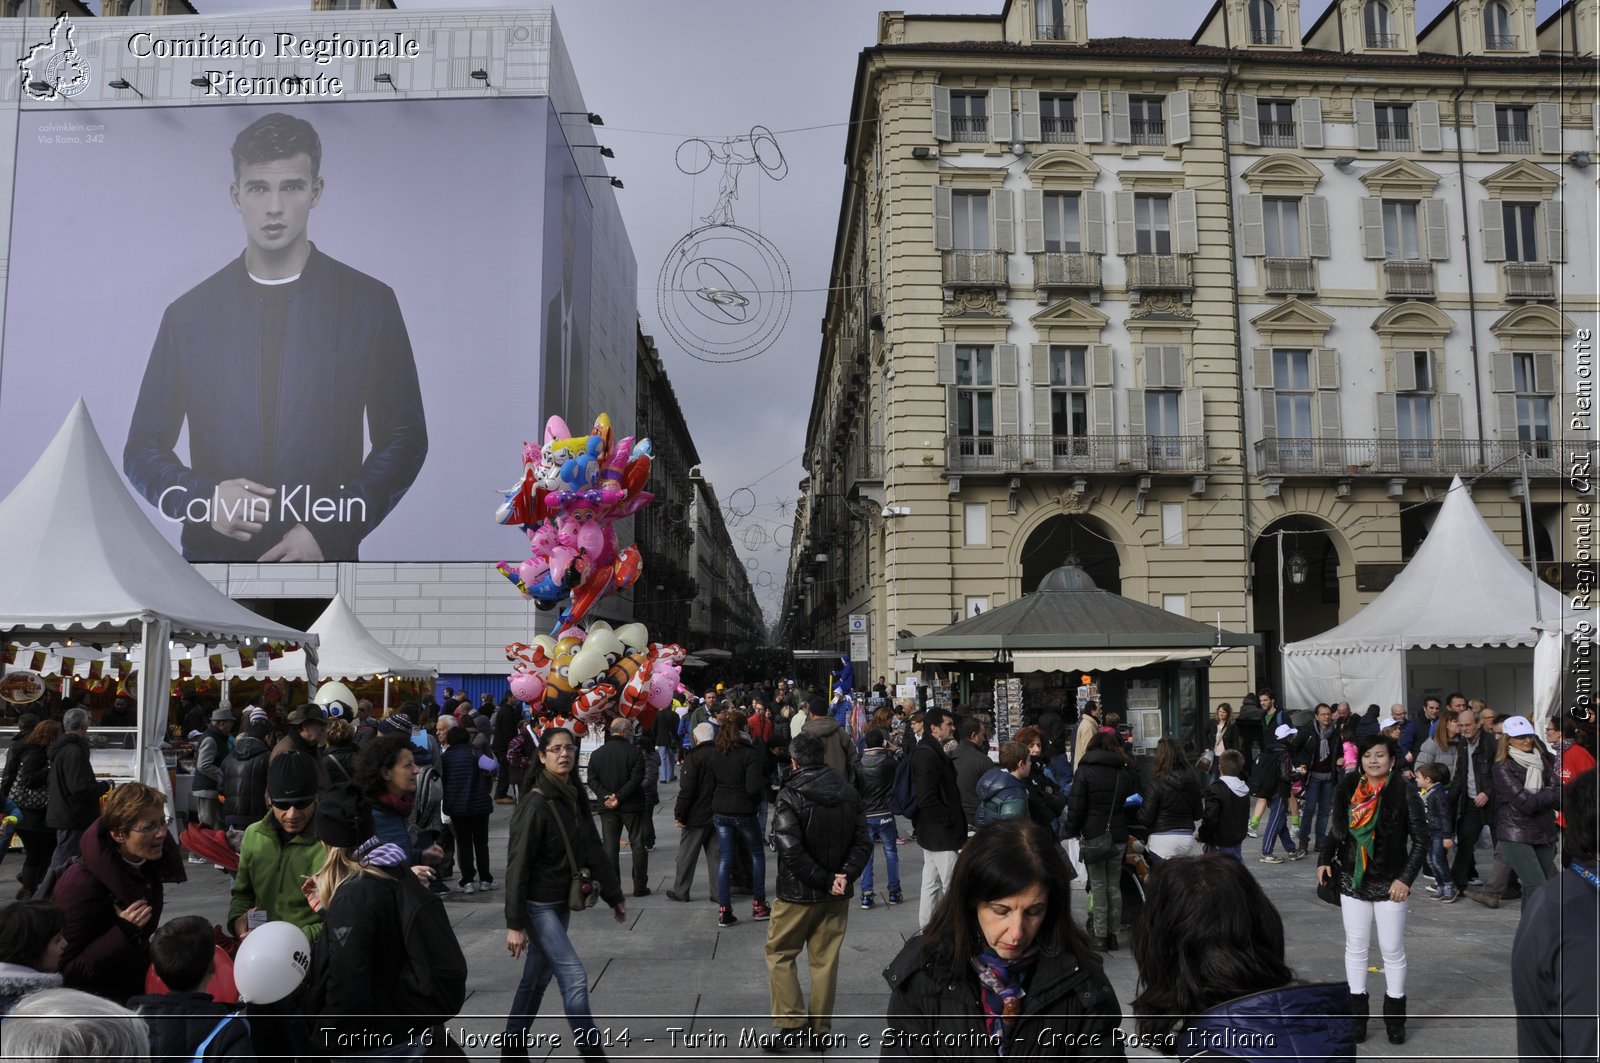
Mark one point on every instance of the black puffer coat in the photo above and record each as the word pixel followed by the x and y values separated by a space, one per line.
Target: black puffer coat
pixel 244 781
pixel 819 831
pixel 1172 804
pixel 877 779
pixel 1522 815
pixel 1069 1010
pixel 741 781
pixel 1398 845
pixel 1101 786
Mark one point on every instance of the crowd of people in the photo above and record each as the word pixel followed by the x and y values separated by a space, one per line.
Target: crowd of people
pixel 350 829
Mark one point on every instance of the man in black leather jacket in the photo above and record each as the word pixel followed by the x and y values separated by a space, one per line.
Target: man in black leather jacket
pixel 821 838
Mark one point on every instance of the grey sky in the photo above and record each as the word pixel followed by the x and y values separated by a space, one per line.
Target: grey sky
pixel 660 71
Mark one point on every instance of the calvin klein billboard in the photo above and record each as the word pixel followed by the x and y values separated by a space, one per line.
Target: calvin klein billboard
pixel 306 331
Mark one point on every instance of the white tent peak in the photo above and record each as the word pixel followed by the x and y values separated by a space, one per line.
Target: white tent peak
pixel 346 650
pixel 1462 588
pixel 82 554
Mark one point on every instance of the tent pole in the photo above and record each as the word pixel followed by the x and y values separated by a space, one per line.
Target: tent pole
pixel 386 695
pixel 1533 546
pixel 1282 638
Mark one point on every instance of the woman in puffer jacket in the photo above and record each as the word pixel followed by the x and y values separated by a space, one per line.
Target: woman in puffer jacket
pixel 1172 804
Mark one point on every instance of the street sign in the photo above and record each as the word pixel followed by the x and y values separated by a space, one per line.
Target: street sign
pixel 858 623
pixel 859 647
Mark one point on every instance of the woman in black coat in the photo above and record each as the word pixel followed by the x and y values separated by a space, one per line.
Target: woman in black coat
pixel 739 770
pixel 1172 804
pixel 1101 786
pixel 27 779
pixel 1377 839
pixel 1002 963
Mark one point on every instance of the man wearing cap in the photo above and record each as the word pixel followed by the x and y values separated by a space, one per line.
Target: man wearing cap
pixel 279 852
pixel 692 814
pixel 1278 758
pixel 209 754
pixel 308 726
pixel 244 772
pixel 616 777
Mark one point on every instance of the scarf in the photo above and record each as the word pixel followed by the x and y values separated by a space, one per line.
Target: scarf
pixel 1364 824
pixel 1001 991
pixel 553 786
pixel 374 852
pixel 399 804
pixel 1324 737
pixel 1534 781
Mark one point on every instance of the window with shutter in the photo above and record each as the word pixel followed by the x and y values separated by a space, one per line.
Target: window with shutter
pixel 1533 383
pixel 969 117
pixel 974 392
pixel 1152 224
pixel 1275 122
pixel 1058 118
pixel 1391 126
pixel 1147 120
pixel 1294 398
pixel 1513 126
pixel 1063 227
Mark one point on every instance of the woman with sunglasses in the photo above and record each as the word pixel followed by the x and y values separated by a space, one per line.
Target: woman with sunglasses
pixel 552 820
pixel 279 852
pixel 112 897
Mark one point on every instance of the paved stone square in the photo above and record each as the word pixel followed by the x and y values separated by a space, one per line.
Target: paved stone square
pixel 683 989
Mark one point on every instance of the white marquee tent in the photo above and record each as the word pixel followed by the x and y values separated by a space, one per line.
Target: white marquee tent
pixel 345 650
pixel 83 562
pixel 1462 589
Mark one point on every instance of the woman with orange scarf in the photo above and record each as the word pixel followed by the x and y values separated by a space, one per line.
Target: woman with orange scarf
pixel 1377 838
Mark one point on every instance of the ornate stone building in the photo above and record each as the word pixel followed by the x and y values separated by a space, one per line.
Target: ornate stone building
pixel 1150 303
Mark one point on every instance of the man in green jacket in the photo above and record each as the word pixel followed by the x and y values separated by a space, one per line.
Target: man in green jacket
pixel 280 851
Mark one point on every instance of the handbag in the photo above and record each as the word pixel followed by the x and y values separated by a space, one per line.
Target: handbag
pixel 1329 890
pixel 1103 847
pixel 582 892
pixel 29 797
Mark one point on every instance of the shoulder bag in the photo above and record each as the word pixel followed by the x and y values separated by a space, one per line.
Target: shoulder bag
pixel 1103 847
pixel 1329 891
pixel 582 892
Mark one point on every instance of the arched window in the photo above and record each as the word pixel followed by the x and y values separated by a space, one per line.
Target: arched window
pixel 1375 20
pixel 1497 35
pixel 1264 23
pixel 1050 20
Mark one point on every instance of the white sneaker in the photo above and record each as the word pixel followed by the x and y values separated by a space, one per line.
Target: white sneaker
pixel 487 885
pixel 468 888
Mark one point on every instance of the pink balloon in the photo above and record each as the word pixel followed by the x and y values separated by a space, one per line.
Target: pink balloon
pixel 527 687
pixel 532 571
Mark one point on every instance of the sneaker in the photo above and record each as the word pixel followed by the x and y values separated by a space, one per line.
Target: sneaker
pixel 1475 881
pixel 1271 859
pixel 725 917
pixel 1450 896
pixel 487 885
pixel 866 902
pixel 896 897
pixel 468 888
pixel 1300 854
pixel 759 911
pixel 1251 832
pixel 642 891
pixel 197 860
pixel 1433 889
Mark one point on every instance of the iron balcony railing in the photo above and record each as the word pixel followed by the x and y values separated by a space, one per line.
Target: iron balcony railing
pixel 1278 135
pixel 969 130
pixel 1399 140
pixel 1516 142
pixel 1501 42
pixel 869 463
pixel 1050 31
pixel 1409 279
pixel 1148 130
pixel 1290 276
pixel 1383 40
pixel 1050 453
pixel 1058 130
pixel 1066 269
pixel 1391 457
pixel 975 269
pixel 1266 36
pixel 1154 272
pixel 1530 280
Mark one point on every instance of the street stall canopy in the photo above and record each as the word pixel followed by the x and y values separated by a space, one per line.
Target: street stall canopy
pixel 1069 624
pixel 345 650
pixel 1463 588
pixel 83 562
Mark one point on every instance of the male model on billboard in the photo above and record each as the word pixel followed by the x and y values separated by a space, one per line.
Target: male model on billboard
pixel 277 362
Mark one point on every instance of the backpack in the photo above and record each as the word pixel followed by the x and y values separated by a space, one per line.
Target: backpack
pixel 433 983
pixel 519 754
pixel 903 794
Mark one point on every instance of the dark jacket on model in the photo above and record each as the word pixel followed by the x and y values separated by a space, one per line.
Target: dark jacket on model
pixel 1171 804
pixel 877 780
pixel 1522 816
pixel 1398 845
pixel 74 791
pixel 1101 786
pixel 696 787
pixel 617 767
pixel 941 823
pixel 741 781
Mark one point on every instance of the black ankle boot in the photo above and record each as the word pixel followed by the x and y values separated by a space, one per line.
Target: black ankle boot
pixel 1360 1011
pixel 1394 1019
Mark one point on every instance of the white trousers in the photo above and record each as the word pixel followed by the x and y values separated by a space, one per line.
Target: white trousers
pixel 937 869
pixel 1358 920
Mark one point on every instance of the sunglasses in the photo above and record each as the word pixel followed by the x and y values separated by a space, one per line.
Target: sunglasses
pixel 296 806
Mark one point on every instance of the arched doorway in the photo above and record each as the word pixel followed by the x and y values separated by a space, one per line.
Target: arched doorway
pixel 1061 538
pixel 1307 577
